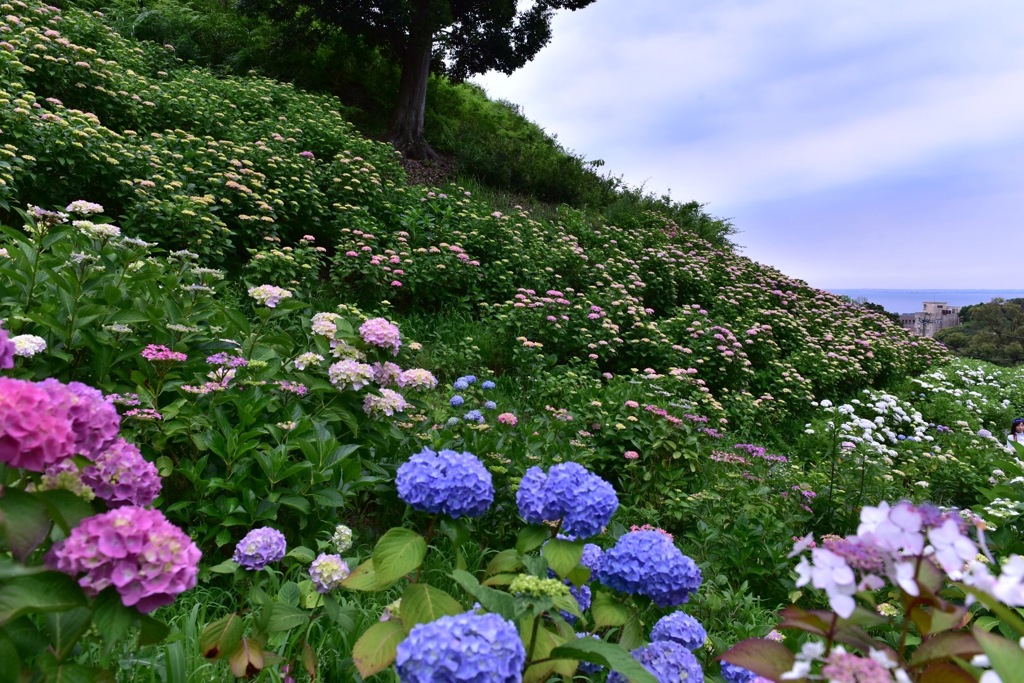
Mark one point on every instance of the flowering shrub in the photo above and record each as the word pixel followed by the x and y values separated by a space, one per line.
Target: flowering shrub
pixel 259 548
pixel 648 563
pixel 580 500
pixel 464 647
pixel 446 482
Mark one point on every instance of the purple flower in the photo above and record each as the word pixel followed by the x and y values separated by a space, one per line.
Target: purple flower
pixel 451 483
pixel 259 548
pixel 380 332
pixel 456 401
pixel 681 628
pixel 121 476
pixel 94 419
pixel 159 353
pixel 35 429
pixel 667 661
pixel 477 648
pixel 327 572
pixel 648 563
pixel 733 673
pixel 582 500
pixel 592 557
pixel 144 557
pixel 6 350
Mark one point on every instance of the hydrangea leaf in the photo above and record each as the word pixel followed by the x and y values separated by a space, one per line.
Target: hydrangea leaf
pixel 284 617
pixel 112 618
pixel 946 672
pixel 531 538
pixel 362 578
pixel 606 654
pixel 492 600
pixel 1006 656
pixel 247 661
pixel 945 646
pixel 500 579
pixel 397 553
pixel 608 611
pixel 562 556
pixel 764 657
pixel 505 562
pixel 546 642
pixel 46 592
pixel 24 522
pixel 67 508
pixel 222 637
pixel 376 649
pixel 422 603
pixel 66 628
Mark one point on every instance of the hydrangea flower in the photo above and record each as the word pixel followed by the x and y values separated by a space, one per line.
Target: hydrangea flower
pixel 6 350
pixel 592 557
pixel 306 359
pixel 456 401
pixel 121 476
pixel 733 673
pixel 65 476
pixel 582 500
pixel 386 373
pixel 460 385
pixel 259 548
pixel 342 538
pixel 269 295
pixel 352 373
pixel 159 353
pixel 448 482
pixel 487 384
pixel 648 563
pixel 681 628
pixel 474 416
pixel 490 405
pixel 144 557
pixel 83 208
pixel 589 668
pixel 417 378
pixel 508 419
pixel 477 648
pixel 387 403
pixel 468 379
pixel 327 572
pixel 667 661
pixel 35 430
pixel 94 419
pixel 380 332
pixel 28 345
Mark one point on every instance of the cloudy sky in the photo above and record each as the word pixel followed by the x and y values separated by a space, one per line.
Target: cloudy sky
pixel 853 143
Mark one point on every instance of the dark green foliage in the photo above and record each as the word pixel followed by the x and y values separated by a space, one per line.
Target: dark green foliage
pixel 992 332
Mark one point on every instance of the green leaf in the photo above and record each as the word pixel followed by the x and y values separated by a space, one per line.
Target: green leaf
pixel 67 509
pixel 301 553
pixel 151 630
pixel 284 617
pixel 531 538
pixel 9 569
pixel 563 556
pixel 456 530
pixel 24 522
pixel 1005 656
pixel 225 567
pixel 376 649
pixel 330 498
pixel 111 617
pixel 505 562
pixel 222 637
pixel 764 657
pixel 568 604
pixel 608 611
pixel 362 578
pixel 176 664
pixel 46 592
pixel 397 553
pixel 607 655
pixel 66 628
pixel 422 603
pixel 10 672
pixel 491 599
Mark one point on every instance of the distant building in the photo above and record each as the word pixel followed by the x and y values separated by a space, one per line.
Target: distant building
pixel 934 316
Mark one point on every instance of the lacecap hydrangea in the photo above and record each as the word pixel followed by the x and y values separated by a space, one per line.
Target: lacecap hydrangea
pixel 447 482
pixel 468 647
pixel 582 500
pixel 667 661
pixel 260 547
pixel 648 563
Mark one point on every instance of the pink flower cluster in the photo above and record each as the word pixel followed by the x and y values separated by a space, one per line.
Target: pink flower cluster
pixel 380 332
pixel 352 373
pixel 269 295
pixel 6 350
pixel 508 419
pixel 121 476
pixel 144 557
pixel 94 420
pixel 416 378
pixel 35 429
pixel 387 403
pixel 159 353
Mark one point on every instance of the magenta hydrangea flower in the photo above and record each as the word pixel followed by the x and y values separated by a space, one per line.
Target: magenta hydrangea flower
pixel 144 557
pixel 379 332
pixel 160 353
pixel 94 419
pixel 6 350
pixel 35 430
pixel 121 476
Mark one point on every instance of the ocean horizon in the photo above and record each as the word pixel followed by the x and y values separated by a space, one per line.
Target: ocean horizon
pixel 911 300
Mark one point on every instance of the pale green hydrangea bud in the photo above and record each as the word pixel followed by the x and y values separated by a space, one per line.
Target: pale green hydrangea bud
pixel 525 584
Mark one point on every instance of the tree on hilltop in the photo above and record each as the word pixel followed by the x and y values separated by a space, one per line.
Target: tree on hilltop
pixel 458 38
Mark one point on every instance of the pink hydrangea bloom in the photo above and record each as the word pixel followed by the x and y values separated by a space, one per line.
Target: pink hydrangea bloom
pixel 380 332
pixel 147 559
pixel 121 476
pixel 349 372
pixel 508 419
pixel 35 430
pixel 94 419
pixel 388 403
pixel 417 378
pixel 6 350
pixel 158 352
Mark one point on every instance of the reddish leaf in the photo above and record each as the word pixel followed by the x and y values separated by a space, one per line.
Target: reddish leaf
pixel 764 657
pixel 945 672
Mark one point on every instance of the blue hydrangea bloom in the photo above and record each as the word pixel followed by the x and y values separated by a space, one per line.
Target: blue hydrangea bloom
pixel 582 500
pixel 460 385
pixel 456 400
pixel 592 557
pixel 468 379
pixel 452 421
pixel 736 674
pixel 490 405
pixel 667 661
pixel 451 483
pixel 681 628
pixel 487 384
pixel 648 563
pixel 474 416
pixel 475 648
pixel 589 668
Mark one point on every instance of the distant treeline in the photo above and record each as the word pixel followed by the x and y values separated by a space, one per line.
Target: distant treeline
pixel 992 332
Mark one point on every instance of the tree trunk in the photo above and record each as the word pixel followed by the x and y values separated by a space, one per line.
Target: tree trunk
pixel 405 131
